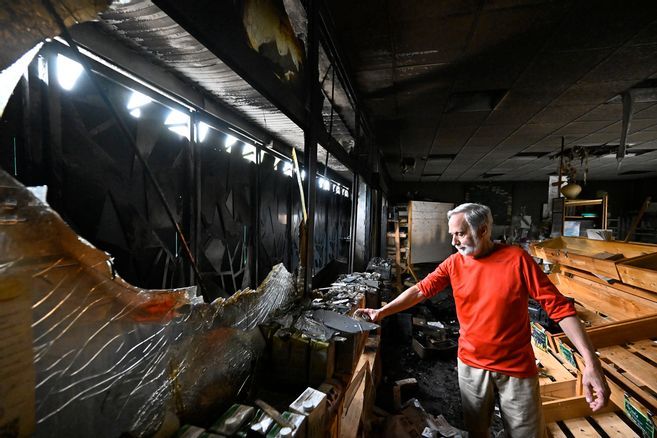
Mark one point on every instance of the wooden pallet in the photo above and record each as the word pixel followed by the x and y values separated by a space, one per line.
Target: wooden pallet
pixel 611 423
pixel 569 413
pixel 634 364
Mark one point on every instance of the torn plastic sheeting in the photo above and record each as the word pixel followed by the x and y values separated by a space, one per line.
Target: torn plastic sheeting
pixel 247 308
pixel 110 358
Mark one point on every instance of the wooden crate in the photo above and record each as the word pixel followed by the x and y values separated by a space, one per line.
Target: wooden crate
pixel 553 374
pixel 640 272
pixel 569 414
pixel 628 353
pixel 605 299
pixel 629 289
pixel 597 256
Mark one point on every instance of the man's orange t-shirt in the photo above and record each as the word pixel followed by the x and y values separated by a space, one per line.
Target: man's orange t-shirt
pixel 491 295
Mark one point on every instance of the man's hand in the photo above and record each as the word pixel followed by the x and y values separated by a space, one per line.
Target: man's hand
pixel 373 315
pixel 406 299
pixel 596 390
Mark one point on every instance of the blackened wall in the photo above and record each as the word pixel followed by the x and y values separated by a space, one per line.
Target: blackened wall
pixel 98 185
pixel 625 196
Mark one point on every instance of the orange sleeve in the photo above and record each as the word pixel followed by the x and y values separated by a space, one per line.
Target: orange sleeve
pixel 437 280
pixel 542 290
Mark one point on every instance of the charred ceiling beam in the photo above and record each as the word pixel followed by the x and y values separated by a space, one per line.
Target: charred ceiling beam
pixel 245 40
pixel 223 27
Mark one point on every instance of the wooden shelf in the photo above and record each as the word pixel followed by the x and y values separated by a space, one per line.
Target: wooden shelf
pixel 584 202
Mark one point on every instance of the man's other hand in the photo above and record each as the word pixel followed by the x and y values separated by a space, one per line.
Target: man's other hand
pixel 596 390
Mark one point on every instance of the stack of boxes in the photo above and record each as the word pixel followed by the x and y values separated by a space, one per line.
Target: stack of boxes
pixel 305 417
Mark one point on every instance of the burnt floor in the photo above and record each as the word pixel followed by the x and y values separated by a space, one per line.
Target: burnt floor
pixel 437 381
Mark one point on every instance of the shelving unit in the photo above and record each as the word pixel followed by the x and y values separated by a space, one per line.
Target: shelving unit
pixel 397 239
pixel 579 210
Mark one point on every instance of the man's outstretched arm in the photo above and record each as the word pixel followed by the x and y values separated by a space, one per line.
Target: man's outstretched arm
pixel 406 299
pixel 596 390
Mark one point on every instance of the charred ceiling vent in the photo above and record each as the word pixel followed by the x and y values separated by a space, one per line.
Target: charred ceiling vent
pixel 529 155
pixel 473 101
pixel 439 157
pixel 407 164
pixel 635 172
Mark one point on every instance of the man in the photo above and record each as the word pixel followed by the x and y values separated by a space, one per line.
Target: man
pixel 492 284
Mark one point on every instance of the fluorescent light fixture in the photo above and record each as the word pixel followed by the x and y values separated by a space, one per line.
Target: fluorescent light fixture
pixel 288 169
pixel 249 152
pixel 324 183
pixel 182 131
pixel 137 100
pixel 178 122
pixel 230 141
pixel 68 72
pixel 203 129
pixel 176 117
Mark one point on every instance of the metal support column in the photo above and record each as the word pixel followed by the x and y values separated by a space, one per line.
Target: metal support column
pixel 354 219
pixel 313 117
pixel 256 222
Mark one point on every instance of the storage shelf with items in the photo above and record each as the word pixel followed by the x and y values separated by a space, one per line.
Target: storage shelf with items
pixel 579 215
pixel 397 242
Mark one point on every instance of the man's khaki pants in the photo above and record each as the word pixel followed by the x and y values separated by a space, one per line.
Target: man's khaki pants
pixel 520 402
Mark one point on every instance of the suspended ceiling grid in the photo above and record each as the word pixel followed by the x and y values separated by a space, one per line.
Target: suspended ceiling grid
pixel 462 87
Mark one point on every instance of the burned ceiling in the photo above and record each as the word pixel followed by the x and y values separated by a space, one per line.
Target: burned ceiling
pixel 184 39
pixel 468 90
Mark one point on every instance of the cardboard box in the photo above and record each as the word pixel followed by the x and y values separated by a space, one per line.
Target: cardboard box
pixel 299 430
pixel 312 403
pixel 233 419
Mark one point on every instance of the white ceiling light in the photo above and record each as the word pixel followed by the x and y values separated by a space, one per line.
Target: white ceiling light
pixel 68 72
pixel 203 129
pixel 137 100
pixel 324 183
pixel 230 141
pixel 178 122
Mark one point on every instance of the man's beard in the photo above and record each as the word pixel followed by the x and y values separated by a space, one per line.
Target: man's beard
pixel 467 250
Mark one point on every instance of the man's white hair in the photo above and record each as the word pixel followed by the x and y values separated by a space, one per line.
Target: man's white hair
pixel 475 215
